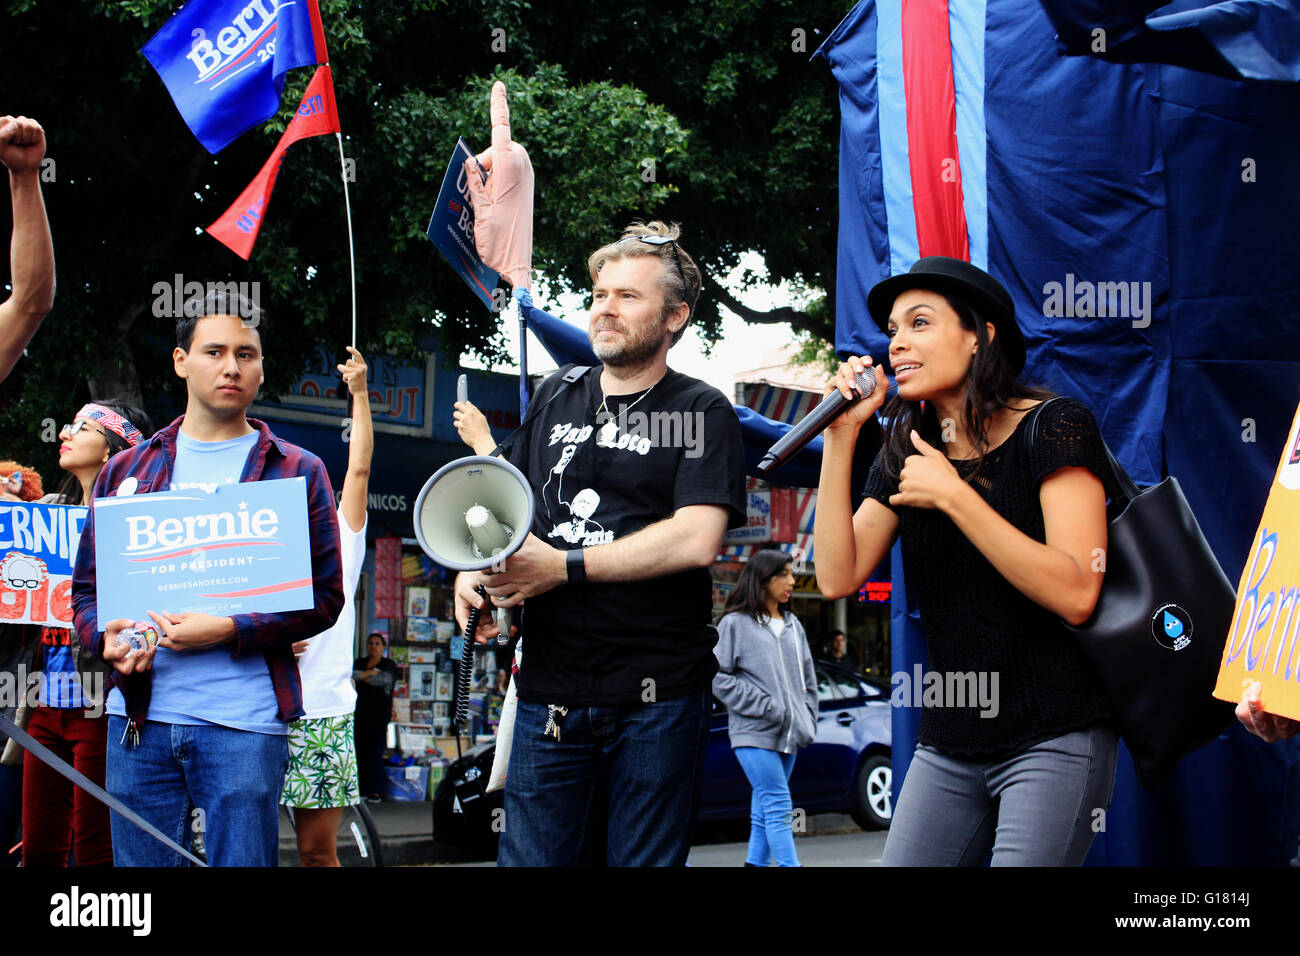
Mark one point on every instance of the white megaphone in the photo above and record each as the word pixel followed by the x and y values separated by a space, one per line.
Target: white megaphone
pixel 472 514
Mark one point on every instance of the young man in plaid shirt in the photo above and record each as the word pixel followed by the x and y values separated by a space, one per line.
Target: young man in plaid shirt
pixel 198 725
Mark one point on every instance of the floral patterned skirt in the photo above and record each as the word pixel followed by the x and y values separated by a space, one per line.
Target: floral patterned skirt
pixel 322 764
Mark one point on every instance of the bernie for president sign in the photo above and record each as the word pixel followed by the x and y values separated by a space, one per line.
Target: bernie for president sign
pixel 241 549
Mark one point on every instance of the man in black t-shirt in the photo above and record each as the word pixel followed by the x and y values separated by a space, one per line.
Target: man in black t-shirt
pixel 637 472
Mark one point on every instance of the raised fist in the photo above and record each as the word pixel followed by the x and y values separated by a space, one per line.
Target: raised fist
pixel 22 144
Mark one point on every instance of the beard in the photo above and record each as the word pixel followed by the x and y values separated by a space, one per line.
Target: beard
pixel 635 348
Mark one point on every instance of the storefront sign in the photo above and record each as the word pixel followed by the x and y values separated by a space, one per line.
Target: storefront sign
pixel 875 592
pixel 397 389
pixel 758 526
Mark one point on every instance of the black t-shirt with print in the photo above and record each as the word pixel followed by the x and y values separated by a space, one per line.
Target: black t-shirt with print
pixel 675 445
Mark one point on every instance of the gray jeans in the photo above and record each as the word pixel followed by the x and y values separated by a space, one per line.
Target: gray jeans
pixel 1040 807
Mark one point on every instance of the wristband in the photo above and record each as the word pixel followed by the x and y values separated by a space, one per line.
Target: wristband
pixel 576 565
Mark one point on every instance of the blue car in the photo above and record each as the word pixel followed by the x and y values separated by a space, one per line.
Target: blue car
pixel 846 769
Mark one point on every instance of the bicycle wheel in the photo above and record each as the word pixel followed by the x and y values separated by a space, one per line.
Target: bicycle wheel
pixel 358 838
pixel 357 841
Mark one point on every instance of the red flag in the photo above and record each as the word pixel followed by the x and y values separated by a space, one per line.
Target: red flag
pixel 317 115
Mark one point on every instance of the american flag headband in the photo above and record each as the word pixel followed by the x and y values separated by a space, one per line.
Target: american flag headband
pixel 112 421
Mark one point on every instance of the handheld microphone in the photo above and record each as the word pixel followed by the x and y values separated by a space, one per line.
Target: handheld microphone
pixel 831 407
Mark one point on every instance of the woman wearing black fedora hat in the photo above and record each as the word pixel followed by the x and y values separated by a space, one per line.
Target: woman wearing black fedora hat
pixel 1001 541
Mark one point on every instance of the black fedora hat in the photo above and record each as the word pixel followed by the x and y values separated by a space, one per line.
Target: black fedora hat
pixel 972 285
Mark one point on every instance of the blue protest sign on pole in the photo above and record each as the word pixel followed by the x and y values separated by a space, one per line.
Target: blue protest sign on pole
pixel 451 228
pixel 241 549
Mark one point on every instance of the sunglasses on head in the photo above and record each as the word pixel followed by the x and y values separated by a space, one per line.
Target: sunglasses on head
pixel 657 240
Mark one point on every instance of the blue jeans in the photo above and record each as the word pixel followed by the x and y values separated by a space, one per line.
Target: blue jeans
pixel 1038 807
pixel 626 777
pixel 770 809
pixel 182 778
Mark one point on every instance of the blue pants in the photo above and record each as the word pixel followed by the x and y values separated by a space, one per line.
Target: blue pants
pixel 770 809
pixel 1039 807
pixel 184 777
pixel 627 776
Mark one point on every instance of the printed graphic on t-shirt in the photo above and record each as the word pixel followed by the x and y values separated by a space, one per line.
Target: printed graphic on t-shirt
pixel 582 528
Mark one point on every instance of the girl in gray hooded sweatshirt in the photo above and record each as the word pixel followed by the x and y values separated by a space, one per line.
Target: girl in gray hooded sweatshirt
pixel 767 683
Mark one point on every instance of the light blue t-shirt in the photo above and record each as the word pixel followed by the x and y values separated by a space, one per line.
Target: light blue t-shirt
pixel 209 686
pixel 207 464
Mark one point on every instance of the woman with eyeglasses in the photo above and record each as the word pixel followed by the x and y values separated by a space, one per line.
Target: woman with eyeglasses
pixel 70 718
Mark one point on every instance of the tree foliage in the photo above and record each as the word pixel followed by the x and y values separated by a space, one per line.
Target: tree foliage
pixel 707 114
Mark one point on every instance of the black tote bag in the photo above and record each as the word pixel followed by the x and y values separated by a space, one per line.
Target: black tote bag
pixel 1156 637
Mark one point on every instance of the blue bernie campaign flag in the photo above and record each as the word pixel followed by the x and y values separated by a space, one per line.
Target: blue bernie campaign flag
pixel 244 548
pixel 223 61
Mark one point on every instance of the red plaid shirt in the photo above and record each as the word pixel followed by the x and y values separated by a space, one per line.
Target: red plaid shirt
pixel 271 635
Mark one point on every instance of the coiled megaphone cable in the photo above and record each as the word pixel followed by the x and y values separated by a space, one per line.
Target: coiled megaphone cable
pixel 466 670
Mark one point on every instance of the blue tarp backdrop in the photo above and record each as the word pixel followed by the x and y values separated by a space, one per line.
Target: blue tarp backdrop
pixel 1085 181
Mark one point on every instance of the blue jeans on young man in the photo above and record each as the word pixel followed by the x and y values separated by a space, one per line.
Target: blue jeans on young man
pixel 627 775
pixel 771 810
pixel 183 777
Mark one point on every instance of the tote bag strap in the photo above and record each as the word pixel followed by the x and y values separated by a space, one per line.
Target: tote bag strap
pixel 1120 481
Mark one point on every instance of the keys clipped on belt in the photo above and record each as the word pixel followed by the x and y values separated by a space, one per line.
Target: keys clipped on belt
pixel 554 714
pixel 139 635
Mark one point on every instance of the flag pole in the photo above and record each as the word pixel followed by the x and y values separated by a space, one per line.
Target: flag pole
pixel 523 360
pixel 352 256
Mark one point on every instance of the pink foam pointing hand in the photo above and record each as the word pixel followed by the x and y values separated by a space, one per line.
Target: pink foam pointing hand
pixel 503 206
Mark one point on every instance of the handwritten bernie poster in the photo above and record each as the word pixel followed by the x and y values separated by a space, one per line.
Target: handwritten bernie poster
pixel 1262 642
pixel 38 548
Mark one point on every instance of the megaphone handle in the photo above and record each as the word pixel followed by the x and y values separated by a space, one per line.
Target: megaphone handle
pixel 466 670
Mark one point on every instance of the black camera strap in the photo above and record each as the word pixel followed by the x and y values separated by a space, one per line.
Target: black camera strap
pixel 569 377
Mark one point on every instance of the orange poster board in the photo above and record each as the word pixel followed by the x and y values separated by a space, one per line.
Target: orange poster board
pixel 1264 640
